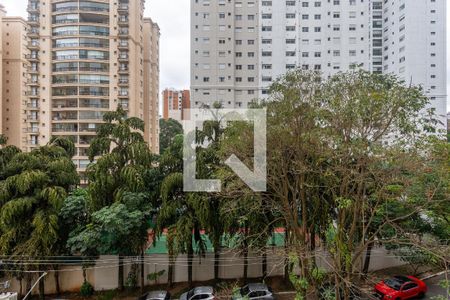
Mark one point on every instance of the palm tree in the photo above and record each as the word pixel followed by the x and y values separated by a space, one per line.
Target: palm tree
pixel 182 214
pixel 121 161
pixel 32 190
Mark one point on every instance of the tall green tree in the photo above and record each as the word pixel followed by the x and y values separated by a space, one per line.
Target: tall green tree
pixel 339 150
pixel 182 214
pixel 168 130
pixel 121 159
pixel 32 192
pixel 122 164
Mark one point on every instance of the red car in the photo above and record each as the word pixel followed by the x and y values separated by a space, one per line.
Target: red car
pixel 400 288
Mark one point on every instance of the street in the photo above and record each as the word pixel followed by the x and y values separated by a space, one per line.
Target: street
pixel 434 289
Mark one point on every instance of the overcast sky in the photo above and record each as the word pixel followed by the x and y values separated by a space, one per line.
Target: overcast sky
pixel 173 19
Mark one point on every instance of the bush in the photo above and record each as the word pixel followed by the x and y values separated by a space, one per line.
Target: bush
pixel 109 295
pixel 86 289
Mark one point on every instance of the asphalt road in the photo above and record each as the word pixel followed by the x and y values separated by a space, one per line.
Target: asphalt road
pixel 434 289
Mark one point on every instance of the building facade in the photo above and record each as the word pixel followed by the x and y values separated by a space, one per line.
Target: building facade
pixel 151 76
pixel 2 14
pixel 14 80
pixel 86 58
pixel 238 48
pixel 176 104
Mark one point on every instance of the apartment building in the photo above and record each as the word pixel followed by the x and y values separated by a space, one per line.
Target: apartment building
pixel 151 77
pixel 14 80
pixel 176 104
pixel 238 48
pixel 2 14
pixel 88 57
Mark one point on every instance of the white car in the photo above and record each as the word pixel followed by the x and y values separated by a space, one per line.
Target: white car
pixel 199 293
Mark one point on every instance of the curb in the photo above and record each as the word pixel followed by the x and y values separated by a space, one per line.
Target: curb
pixel 434 275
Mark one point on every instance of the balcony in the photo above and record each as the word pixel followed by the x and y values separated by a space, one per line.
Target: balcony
pixel 33 106
pixel 33 45
pixel 123 57
pixel 32 94
pixel 123 70
pixel 33 32
pixel 123 32
pixel 32 57
pixel 123 20
pixel 31 130
pixel 33 21
pixel 32 117
pixel 123 82
pixel 32 82
pixel 123 93
pixel 123 8
pixel 33 8
pixel 123 45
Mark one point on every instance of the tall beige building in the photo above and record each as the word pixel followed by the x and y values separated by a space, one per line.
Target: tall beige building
pixel 87 58
pixel 14 80
pixel 2 14
pixel 151 77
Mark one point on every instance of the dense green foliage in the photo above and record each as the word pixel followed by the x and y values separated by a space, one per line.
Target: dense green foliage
pixel 168 129
pixel 350 166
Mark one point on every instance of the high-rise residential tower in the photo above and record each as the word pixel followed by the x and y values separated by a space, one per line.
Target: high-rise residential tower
pixel 176 104
pixel 151 77
pixel 2 14
pixel 88 57
pixel 14 80
pixel 238 48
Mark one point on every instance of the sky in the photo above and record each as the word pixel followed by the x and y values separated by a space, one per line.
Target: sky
pixel 173 17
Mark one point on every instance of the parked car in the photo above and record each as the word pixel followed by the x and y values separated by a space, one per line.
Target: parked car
pixel 400 288
pixel 199 293
pixel 155 295
pixel 254 291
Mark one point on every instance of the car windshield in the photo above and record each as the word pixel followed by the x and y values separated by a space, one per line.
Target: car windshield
pixel 393 284
pixel 245 291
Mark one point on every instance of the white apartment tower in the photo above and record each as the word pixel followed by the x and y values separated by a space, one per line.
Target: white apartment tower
pixel 239 47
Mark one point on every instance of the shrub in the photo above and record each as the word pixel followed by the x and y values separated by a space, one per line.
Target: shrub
pixel 86 289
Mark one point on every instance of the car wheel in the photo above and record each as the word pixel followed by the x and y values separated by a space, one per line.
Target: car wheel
pixel 421 295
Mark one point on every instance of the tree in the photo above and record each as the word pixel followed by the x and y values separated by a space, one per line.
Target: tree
pixel 340 150
pixel 168 129
pixel 122 162
pixel 182 214
pixel 32 193
pixel 73 218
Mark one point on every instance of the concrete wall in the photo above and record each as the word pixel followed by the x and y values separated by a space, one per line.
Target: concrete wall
pixel 104 275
